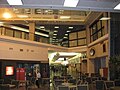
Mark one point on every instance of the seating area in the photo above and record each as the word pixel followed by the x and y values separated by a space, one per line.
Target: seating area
pixel 87 83
pixel 8 84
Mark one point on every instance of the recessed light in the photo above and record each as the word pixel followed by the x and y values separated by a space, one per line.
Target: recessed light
pixel 70 27
pixel 117 7
pixel 66 34
pixel 55 31
pixel 65 37
pixel 56 27
pixel 68 31
pixel 54 37
pixel 14 2
pixel 70 3
pixel 41 27
pixel 54 34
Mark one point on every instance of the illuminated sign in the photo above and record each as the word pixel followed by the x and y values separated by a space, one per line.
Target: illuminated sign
pixel 9 70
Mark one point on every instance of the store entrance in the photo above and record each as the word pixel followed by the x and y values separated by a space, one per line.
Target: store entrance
pixel 26 70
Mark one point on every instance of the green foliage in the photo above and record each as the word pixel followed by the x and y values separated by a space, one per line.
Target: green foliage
pixel 114 66
pixel 115 59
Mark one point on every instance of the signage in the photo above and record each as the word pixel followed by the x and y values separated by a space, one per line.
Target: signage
pixel 9 70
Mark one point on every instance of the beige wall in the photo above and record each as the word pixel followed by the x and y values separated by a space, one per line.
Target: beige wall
pixel 98 47
pixel 17 50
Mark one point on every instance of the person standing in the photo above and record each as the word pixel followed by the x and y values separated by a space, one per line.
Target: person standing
pixel 38 79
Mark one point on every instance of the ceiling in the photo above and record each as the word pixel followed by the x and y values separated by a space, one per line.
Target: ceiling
pixel 48 21
pixel 97 5
pixel 48 13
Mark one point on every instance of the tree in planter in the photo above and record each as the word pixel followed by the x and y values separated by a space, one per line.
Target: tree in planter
pixel 114 67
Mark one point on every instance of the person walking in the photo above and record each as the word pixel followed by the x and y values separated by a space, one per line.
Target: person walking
pixel 38 79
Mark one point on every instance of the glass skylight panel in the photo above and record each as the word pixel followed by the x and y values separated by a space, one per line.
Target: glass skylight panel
pixel 15 2
pixel 117 7
pixel 70 3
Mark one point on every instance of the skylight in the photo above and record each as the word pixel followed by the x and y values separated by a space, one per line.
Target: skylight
pixel 70 3
pixel 15 2
pixel 117 7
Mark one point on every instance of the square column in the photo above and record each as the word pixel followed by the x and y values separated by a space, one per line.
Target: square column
pixel 31 31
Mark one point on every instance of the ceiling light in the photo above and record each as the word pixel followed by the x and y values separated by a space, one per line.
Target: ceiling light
pixel 22 16
pixel 56 27
pixel 70 3
pixel 1 22
pixel 117 7
pixel 54 37
pixel 68 53
pixel 70 27
pixel 7 15
pixel 61 59
pixel 105 18
pixel 19 28
pixel 66 34
pixel 55 31
pixel 65 63
pixel 68 31
pixel 54 34
pixel 64 17
pixel 42 34
pixel 15 2
pixel 65 37
pixel 42 27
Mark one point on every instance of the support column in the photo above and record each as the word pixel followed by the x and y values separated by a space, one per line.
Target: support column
pixel 88 42
pixel 31 31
